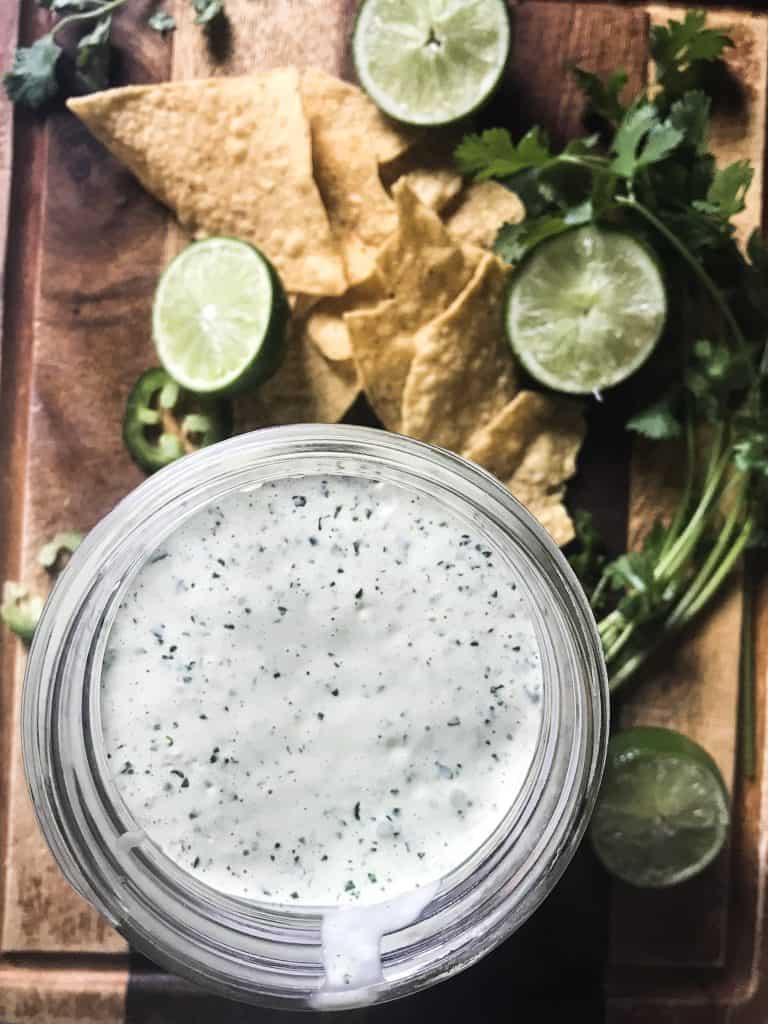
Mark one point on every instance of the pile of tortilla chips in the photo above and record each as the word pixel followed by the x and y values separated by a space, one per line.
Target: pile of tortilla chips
pixel 393 291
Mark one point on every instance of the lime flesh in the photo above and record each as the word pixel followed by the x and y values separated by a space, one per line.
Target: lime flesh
pixel 586 309
pixel 219 317
pixel 662 814
pixel 430 62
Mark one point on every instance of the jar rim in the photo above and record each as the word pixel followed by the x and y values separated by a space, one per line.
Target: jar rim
pixel 247 950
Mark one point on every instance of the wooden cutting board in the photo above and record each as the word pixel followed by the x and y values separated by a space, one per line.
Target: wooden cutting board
pixel 86 246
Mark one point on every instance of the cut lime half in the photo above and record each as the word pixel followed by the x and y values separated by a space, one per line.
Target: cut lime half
pixel 586 309
pixel 219 317
pixel 662 813
pixel 430 62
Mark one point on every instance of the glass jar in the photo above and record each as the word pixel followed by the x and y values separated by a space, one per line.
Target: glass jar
pixel 271 954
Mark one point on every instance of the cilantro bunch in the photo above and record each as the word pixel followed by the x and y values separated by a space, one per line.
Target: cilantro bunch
pixel 32 80
pixel 647 169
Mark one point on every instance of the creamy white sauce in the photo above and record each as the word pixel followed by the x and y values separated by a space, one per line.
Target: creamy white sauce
pixel 324 692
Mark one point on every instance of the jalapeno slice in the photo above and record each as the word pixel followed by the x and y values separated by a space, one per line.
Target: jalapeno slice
pixel 163 421
pixel 20 610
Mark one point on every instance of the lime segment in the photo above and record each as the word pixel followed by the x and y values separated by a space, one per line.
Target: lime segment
pixel 586 309
pixel 662 814
pixel 430 62
pixel 219 317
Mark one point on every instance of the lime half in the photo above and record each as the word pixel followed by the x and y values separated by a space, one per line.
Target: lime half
pixel 430 62
pixel 219 317
pixel 586 309
pixel 662 814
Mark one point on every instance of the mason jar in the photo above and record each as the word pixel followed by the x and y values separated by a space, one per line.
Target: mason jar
pixel 268 953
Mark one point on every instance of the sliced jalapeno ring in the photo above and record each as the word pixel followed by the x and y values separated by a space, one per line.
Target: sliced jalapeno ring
pixel 163 421
pixel 20 610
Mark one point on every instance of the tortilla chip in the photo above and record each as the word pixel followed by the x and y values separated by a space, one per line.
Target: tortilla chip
pixel 531 446
pixel 231 156
pixel 301 304
pixel 428 159
pixel 435 187
pixel 484 207
pixel 462 373
pixel 349 137
pixel 307 388
pixel 423 270
pixel 325 322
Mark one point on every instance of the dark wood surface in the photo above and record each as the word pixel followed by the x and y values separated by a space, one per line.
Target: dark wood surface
pixel 86 244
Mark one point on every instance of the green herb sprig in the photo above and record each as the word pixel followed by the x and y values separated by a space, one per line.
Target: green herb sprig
pixel 32 79
pixel 648 170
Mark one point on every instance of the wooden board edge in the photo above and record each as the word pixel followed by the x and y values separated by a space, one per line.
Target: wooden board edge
pixel 9 32
pixel 62 994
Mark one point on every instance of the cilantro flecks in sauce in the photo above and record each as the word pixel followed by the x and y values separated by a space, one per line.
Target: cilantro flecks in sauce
pixel 325 691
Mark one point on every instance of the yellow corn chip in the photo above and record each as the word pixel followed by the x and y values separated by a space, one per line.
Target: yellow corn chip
pixel 484 207
pixel 462 372
pixel 325 321
pixel 307 388
pixel 435 187
pixel 349 138
pixel 423 270
pixel 231 156
pixel 428 168
pixel 531 446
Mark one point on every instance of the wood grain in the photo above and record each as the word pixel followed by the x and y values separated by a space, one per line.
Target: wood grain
pixel 694 684
pixel 102 245
pixel 45 995
pixel 548 38
pixel 100 251
pixel 9 30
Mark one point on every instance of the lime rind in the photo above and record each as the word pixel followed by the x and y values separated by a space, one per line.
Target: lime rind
pixel 219 317
pixel 586 309
pixel 663 812
pixel 430 62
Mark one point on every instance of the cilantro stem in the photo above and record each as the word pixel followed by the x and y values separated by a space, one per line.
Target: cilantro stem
pixel 627 670
pixel 96 12
pixel 722 572
pixel 712 560
pixel 685 498
pixel 623 638
pixel 683 547
pixel 682 250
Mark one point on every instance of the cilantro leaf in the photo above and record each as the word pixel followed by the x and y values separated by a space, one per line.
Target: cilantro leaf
pixel 604 186
pixel 62 7
pixel 581 147
pixel 526 186
pixel 690 115
pixel 94 55
pixel 514 241
pixel 602 96
pixel 679 46
pixel 590 556
pixel 756 277
pixel 750 454
pixel 714 374
pixel 162 22
pixel 494 154
pixel 658 422
pixel 726 194
pixel 679 43
pixel 32 78
pixel 645 598
pixel 207 10
pixel 642 140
